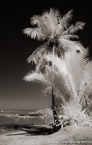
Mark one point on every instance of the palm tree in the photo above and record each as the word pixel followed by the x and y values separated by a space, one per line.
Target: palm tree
pixel 55 30
pixel 61 64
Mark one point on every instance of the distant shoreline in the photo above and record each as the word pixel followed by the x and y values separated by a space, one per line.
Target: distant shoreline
pixel 16 111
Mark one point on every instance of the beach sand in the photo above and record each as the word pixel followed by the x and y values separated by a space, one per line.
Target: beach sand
pixel 72 135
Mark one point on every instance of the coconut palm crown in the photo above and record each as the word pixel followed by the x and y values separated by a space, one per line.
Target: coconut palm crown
pixel 55 30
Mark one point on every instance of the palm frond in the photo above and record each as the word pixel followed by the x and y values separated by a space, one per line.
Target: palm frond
pixel 88 77
pixel 66 32
pixel 62 74
pixel 73 61
pixel 35 33
pixel 74 28
pixel 36 20
pixel 68 37
pixel 46 25
pixel 76 62
pixel 69 45
pixel 38 53
pixel 58 82
pixel 47 90
pixel 50 21
pixel 77 26
pixel 37 77
pixel 84 58
pixel 54 13
pixel 64 22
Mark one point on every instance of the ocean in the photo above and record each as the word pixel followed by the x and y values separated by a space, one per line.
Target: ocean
pixel 12 117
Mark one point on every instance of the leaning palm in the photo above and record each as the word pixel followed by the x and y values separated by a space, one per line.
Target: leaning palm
pixel 56 31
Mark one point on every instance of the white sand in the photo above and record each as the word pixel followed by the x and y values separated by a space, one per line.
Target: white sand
pixel 66 135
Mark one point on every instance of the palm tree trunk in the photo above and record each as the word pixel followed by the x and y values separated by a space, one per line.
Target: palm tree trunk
pixel 53 104
pixel 53 55
pixel 53 96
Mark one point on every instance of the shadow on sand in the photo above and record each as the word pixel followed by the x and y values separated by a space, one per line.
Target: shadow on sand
pixel 29 134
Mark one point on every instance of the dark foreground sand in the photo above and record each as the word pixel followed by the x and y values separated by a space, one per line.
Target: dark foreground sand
pixel 72 135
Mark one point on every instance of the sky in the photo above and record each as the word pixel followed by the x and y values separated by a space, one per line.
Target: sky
pixel 15 47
